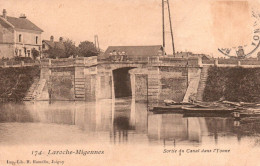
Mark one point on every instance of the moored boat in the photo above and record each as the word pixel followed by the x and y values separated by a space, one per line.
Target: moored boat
pixel 202 109
pixel 169 109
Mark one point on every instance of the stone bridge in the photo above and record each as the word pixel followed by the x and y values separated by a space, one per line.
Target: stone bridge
pixel 151 79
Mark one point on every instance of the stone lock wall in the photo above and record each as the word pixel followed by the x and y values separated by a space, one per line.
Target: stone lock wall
pixel 174 83
pixel 159 83
pixel 90 87
pixel 141 87
pixel 61 83
pixel 148 82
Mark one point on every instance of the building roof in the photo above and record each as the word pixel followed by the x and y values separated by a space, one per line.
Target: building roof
pixel 22 23
pixel 134 50
pixel 54 44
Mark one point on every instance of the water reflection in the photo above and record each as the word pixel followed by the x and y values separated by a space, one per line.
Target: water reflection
pixel 120 121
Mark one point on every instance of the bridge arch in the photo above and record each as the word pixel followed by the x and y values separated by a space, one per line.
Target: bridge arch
pixel 122 82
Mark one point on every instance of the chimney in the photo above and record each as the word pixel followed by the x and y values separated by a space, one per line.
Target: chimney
pixel 52 39
pixel 22 16
pixel 4 13
pixel 61 39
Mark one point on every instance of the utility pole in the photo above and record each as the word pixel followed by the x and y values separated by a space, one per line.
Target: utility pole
pixel 170 20
pixel 96 42
pixel 163 32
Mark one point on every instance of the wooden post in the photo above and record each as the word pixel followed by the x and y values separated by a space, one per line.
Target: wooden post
pixel 200 61
pixel 49 62
pixel 163 32
pixel 216 62
pixel 238 63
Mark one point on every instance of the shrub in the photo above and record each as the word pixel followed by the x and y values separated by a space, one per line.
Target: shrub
pixel 233 84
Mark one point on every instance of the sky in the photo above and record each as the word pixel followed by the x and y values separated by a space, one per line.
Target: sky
pixel 200 26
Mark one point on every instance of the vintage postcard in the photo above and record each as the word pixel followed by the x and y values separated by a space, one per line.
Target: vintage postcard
pixel 129 82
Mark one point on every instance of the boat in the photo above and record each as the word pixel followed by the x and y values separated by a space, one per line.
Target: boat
pixel 169 109
pixel 208 109
pixel 249 112
pixel 193 114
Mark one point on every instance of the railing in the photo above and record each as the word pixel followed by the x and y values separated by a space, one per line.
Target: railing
pixel 208 61
pixel 234 63
pixel 250 62
pixel 228 61
pixel 67 62
pixel 156 60
pixel 124 59
pixel 62 62
pixel 90 61
pixel 18 64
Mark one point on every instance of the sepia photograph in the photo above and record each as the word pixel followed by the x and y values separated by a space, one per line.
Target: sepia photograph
pixel 130 82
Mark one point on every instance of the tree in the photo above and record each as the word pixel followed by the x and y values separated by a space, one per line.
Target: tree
pixel 62 49
pixel 35 53
pixel 69 48
pixel 55 53
pixel 87 49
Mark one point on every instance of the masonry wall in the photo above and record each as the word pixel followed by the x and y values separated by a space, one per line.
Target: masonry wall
pixel 62 83
pixel 141 87
pixel 28 42
pixel 6 35
pixel 6 42
pixel 6 50
pixel 90 87
pixel 174 82
pixel 29 37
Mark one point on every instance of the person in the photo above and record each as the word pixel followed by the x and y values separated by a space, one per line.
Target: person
pixel 192 98
pixel 50 93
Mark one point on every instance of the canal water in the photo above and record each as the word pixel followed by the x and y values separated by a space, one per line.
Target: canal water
pixel 119 121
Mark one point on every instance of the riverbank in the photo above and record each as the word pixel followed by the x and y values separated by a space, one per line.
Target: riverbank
pixel 233 84
pixel 16 81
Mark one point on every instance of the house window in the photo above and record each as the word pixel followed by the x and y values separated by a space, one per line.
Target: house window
pixel 36 39
pixel 29 53
pixel 20 38
pixel 43 46
pixel 20 52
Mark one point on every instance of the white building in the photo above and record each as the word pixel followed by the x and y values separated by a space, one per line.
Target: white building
pixel 18 36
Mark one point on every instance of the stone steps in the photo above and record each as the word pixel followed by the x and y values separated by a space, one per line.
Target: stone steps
pixel 80 88
pixel 153 88
pixel 30 93
pixel 39 89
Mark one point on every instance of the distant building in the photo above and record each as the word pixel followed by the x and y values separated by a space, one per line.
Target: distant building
pixel 48 44
pixel 18 36
pixel 117 52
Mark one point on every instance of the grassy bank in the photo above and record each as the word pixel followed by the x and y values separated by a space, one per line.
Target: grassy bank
pixel 233 84
pixel 15 82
